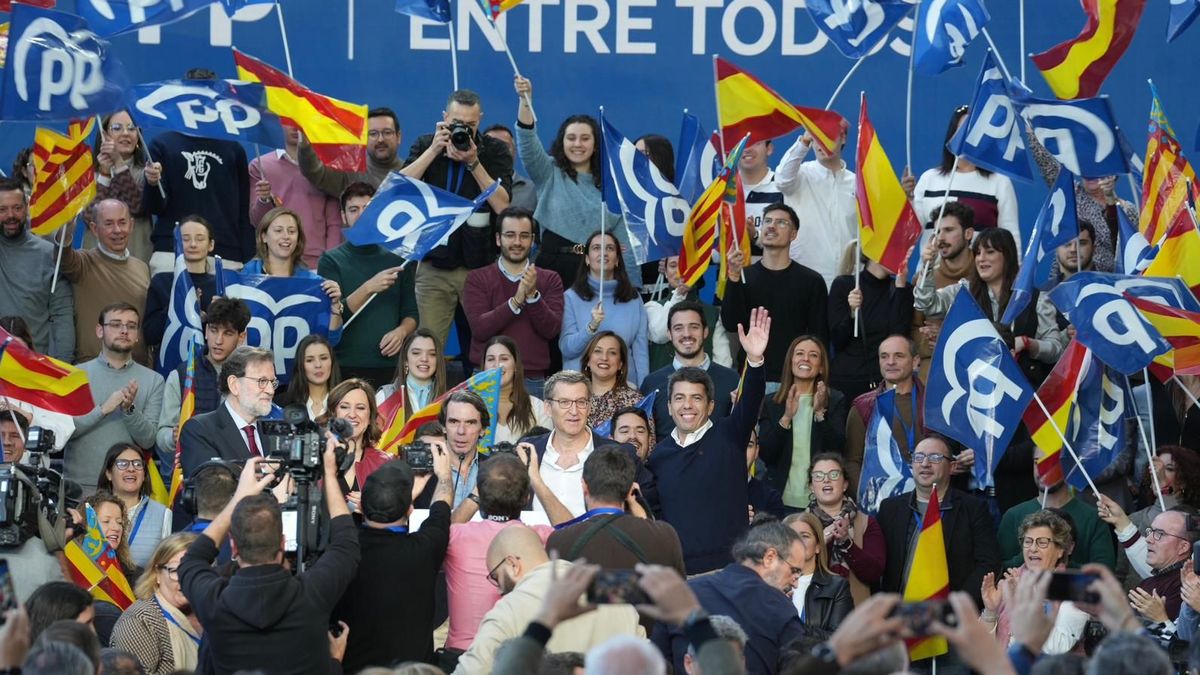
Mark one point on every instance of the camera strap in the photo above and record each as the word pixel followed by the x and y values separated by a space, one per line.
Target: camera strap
pixel 622 539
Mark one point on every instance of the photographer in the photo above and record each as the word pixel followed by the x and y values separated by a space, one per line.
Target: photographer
pixel 29 561
pixel 263 617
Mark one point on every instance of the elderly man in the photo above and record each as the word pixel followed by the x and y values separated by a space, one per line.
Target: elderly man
pixel 1155 555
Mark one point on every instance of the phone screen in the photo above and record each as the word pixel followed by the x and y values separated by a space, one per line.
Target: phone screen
pixel 1072 586
pixel 291 525
pixel 8 593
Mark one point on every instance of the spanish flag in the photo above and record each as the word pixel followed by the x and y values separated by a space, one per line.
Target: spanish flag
pixel 1058 392
pixel 65 176
pixel 391 417
pixel 887 224
pixel 485 383
pixel 928 577
pixel 1178 252
pixel 700 233
pixel 42 381
pixel 1166 175
pixel 1076 68
pixel 747 106
pixel 336 129
pixel 1180 327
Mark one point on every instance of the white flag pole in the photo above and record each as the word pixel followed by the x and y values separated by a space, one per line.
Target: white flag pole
pixel 1146 443
pixel 287 51
pixel 1067 445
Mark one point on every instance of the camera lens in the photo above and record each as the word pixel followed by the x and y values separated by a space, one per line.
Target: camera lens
pixel 460 136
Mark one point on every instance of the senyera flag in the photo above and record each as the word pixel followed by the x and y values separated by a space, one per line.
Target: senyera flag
pixel 1167 173
pixel 42 381
pixel 1180 327
pixel 336 129
pixel 485 383
pixel 888 226
pixel 747 106
pixel 64 176
pixel 1076 68
pixel 494 8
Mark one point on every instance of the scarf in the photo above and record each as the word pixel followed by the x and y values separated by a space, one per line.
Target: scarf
pixel 838 550
pixel 183 647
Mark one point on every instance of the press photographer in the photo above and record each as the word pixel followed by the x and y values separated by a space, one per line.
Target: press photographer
pixel 264 617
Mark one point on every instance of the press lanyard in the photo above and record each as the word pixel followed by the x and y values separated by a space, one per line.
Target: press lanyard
pixel 137 523
pixel 168 617
pixel 603 511
pixel 458 181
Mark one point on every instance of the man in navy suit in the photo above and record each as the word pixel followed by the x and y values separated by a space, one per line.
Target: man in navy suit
pixel 248 384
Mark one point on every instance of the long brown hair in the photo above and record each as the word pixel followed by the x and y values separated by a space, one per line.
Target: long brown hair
pixel 622 372
pixel 818 530
pixel 520 417
pixel 261 246
pixel 439 367
pixel 1001 240
pixel 786 379
pixel 297 389
pixel 372 432
pixel 624 291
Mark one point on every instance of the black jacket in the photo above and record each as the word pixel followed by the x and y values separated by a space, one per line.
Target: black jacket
pixel 213 435
pixel 886 310
pixel 264 617
pixel 641 476
pixel 775 442
pixel 827 601
pixel 967 528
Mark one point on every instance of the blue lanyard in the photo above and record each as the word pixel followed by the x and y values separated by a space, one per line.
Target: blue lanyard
pixel 172 619
pixel 398 529
pixel 603 511
pixel 458 181
pixel 137 523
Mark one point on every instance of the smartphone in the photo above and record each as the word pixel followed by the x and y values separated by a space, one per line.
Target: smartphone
pixel 919 616
pixel 291 528
pixel 1072 585
pixel 8 593
pixel 616 587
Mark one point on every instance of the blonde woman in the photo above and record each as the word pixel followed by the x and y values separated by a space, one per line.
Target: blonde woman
pixel 160 628
pixel 822 598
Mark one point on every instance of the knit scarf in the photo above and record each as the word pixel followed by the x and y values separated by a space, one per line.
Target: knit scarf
pixel 838 550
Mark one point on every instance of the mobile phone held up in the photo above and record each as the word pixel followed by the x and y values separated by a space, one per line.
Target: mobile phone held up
pixel 1072 585
pixel 8 593
pixel 919 616
pixel 616 587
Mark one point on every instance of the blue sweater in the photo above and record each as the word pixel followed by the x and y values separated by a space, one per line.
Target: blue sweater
pixel 627 319
pixel 702 488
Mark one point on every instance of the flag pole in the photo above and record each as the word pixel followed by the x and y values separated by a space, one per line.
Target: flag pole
pixel 862 99
pixel 1186 392
pixel 287 51
pixel 62 242
pixel 1066 444
pixel 150 160
pixel 999 59
pixel 349 30
pixel 516 71
pixel 603 243
pixel 846 78
pixel 1162 504
pixel 1021 14
pixel 453 53
pixel 346 324
pixel 912 56
pixel 937 225
pixel 1133 188
pixel 1150 408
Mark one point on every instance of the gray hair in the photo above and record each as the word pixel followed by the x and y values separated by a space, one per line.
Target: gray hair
pixel 57 658
pixel 762 537
pixel 625 654
pixel 566 377
pixel 235 365
pixel 726 629
pixel 1129 654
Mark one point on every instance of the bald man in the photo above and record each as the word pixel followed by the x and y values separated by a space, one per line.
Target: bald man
pixel 522 570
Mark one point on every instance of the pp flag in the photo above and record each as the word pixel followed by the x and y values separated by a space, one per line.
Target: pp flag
pixel 433 10
pixel 888 226
pixel 283 311
pixel 698 161
pixel 1183 13
pixel 113 17
pixel 56 68
pixel 976 392
pixel 411 218
pixel 1097 426
pixel 64 177
pixel 1078 66
pixel 646 405
pixel 856 28
pixel 946 29
pixel 1082 135
pixel 992 135
pixel 1134 253
pixel 224 109
pixel 1056 225
pixel 183 316
pixel 654 212
pixel 884 471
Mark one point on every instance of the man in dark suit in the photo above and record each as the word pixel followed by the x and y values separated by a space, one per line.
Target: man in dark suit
pixel 248 384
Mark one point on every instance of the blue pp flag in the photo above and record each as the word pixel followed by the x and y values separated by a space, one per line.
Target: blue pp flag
pixel 1097 425
pixel 646 405
pixel 113 17
pixel 183 316
pixel 655 214
pixel 283 311
pixel 1056 225
pixel 56 68
pixel 992 135
pixel 433 10
pixel 1183 13
pixel 884 471
pixel 1134 253
pixel 1081 134
pixel 856 28
pixel 411 218
pixel 225 109
pixel 977 392
pixel 945 30
pixel 698 160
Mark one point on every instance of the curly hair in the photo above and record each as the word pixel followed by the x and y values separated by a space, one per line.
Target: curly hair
pixel 123 556
pixel 1060 531
pixel 1187 475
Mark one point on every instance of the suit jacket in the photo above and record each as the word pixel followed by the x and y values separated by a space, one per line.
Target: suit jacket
pixel 212 435
pixel 641 476
pixel 967 528
pixel 827 601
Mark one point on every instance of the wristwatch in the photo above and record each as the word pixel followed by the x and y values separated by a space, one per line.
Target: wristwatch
pixel 472 165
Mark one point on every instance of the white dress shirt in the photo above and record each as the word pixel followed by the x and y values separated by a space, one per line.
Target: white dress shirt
pixel 566 484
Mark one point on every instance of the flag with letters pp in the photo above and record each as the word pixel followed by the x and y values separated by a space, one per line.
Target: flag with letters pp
pixel 977 392
pixel 183 316
pixel 993 135
pixel 56 68
pixel 856 28
pixel 229 110
pixel 884 471
pixel 1056 225
pixel 944 31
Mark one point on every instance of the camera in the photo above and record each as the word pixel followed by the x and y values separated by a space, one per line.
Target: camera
pixel 460 135
pixel 501 448
pixel 419 456
pixel 33 494
pixel 297 442
pixel 40 440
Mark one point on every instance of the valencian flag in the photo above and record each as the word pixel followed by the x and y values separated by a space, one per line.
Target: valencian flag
pixel 1076 68
pixel 1059 393
pixel 65 176
pixel 494 8
pixel 186 411
pixel 1178 250
pixel 700 233
pixel 888 226
pixel 336 129
pixel 1166 174
pixel 42 381
pixel 747 106
pixel 93 566
pixel 928 577
pixel 485 383
pixel 1180 327
pixel 734 232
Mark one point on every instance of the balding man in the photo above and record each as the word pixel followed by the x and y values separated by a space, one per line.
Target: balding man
pixel 524 573
pixel 104 275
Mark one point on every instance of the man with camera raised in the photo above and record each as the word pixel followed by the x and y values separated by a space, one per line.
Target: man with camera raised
pixel 459 160
pixel 264 617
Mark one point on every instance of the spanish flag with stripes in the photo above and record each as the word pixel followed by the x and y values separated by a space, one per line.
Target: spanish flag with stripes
pixel 887 224
pixel 700 232
pixel 336 129
pixel 1180 327
pixel 928 577
pixel 65 176
pixel 1058 392
pixel 1166 175
pixel 42 381
pixel 1076 68
pixel 747 106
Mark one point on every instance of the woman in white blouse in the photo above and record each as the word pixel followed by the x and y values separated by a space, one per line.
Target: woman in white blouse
pixel 519 411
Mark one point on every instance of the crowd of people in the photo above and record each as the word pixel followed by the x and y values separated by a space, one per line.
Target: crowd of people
pixel 671 483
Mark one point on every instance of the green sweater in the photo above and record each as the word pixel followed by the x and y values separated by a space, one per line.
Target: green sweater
pixel 351 266
pixel 1096 543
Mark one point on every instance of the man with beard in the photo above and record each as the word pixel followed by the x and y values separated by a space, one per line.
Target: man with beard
pixel 516 299
pixel 1076 255
pixel 229 432
pixel 26 271
pixel 383 137
pixel 954 262
pixel 128 397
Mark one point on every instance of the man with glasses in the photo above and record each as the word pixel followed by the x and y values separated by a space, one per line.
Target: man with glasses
pixel 516 299
pixel 128 397
pixel 383 138
pixel 229 432
pixel 1154 554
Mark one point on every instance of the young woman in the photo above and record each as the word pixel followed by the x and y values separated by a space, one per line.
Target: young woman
pixel 607 365
pixel 421 371
pixel 125 475
pixel 280 240
pixel 354 401
pixel 1046 542
pixel 804 418
pixel 121 167
pixel 111 518
pixel 853 540
pixel 519 411
pixel 589 308
pixel 822 599
pixel 884 305
pixel 196 235
pixel 160 629
pixel 314 372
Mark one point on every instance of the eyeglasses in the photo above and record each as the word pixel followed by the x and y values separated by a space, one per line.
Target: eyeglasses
pixel 1042 543
pixel 567 403
pixel 920 457
pixel 1155 534
pixel 118 128
pixel 822 476
pixel 385 133
pixel 119 326
pixel 172 572
pixel 523 236
pixel 493 577
pixel 776 221
pixel 262 382
pixel 127 464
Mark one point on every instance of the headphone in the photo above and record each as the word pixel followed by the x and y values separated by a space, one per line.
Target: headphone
pixel 188 498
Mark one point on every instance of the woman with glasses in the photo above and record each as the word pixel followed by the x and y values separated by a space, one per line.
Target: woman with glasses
pixel 804 418
pixel 354 401
pixel 420 372
pixel 606 363
pixel 160 628
pixel 314 372
pixel 125 474
pixel 518 410
pixel 853 540
pixel 121 168
pixel 822 599
pixel 1046 538
pixel 591 305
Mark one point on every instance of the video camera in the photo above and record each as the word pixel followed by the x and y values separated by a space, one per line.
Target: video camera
pixel 297 442
pixel 419 456
pixel 33 497
pixel 501 448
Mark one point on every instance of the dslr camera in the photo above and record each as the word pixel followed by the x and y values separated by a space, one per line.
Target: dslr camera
pixel 419 456
pixel 501 448
pixel 460 135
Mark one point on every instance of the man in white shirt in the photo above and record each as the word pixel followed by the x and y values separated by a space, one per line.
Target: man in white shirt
pixel 758 182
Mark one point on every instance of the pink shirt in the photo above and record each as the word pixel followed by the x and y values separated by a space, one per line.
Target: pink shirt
pixel 470 594
pixel 319 214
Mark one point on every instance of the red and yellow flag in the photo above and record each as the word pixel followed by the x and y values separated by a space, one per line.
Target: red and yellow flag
pixel 733 227
pixel 65 176
pixel 928 577
pixel 747 106
pixel 336 129
pixel 700 233
pixel 494 8
pixel 1166 175
pixel 93 566
pixel 1180 327
pixel 1076 68
pixel 887 224
pixel 1179 252
pixel 186 410
pixel 1058 392
pixel 391 417
pixel 486 383
pixel 42 381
